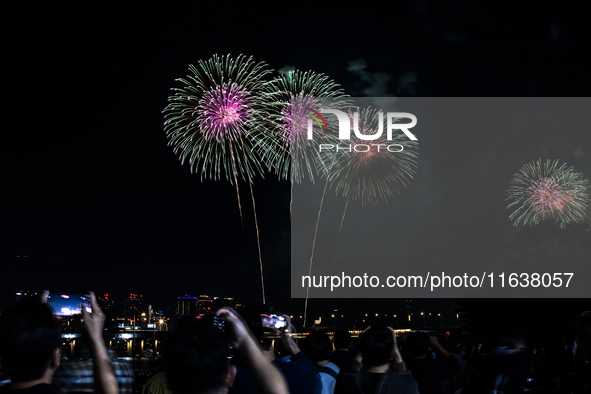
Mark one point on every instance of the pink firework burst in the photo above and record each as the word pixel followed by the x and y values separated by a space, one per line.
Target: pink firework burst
pixel 294 120
pixel 286 147
pixel 215 118
pixel 225 111
pixel 546 195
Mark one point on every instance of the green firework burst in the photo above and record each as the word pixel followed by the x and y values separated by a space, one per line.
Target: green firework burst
pixel 548 191
pixel 294 97
pixel 215 118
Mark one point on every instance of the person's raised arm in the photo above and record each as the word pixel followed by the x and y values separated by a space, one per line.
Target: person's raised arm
pixel 265 376
pixel 356 362
pixel 398 364
pixel 105 381
pixel 289 344
pixel 436 345
pixel 450 366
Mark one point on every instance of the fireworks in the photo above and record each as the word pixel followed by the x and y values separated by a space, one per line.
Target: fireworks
pixel 373 170
pixel 227 121
pixel 547 191
pixel 295 97
pixel 213 120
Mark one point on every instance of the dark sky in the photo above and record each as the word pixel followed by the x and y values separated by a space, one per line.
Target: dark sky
pixel 97 200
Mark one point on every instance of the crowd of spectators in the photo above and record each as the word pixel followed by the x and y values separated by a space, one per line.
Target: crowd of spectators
pixel 228 352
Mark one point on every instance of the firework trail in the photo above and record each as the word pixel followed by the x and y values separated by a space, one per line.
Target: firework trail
pixel 343 218
pixel 295 98
pixel 369 175
pixel 546 191
pixel 215 120
pixel 312 254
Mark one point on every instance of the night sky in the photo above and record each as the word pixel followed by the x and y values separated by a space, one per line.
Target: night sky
pixel 97 200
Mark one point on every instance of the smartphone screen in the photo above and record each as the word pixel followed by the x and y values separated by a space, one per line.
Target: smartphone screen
pixel 273 321
pixel 68 304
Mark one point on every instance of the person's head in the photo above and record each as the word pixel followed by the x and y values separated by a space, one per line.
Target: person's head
pixel 418 344
pixel 318 346
pixel 29 341
pixel 252 317
pixel 519 339
pixel 376 346
pixel 342 339
pixel 196 359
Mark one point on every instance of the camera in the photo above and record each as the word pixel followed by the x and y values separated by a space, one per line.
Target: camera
pixel 213 320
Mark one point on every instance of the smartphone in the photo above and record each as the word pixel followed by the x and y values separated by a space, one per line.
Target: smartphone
pixel 273 321
pixel 68 304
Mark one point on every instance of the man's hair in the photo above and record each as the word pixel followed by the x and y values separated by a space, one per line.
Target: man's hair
pixel 376 346
pixel 196 358
pixel 418 343
pixel 318 346
pixel 29 336
pixel 342 339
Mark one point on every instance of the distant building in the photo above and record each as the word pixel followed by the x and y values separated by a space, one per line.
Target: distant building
pixel 107 302
pixel 194 305
pixel 133 305
pixel 185 305
pixel 23 294
pixel 409 310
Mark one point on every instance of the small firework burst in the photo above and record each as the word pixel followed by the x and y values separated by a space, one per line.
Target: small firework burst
pixel 373 170
pixel 295 97
pixel 546 191
pixel 213 120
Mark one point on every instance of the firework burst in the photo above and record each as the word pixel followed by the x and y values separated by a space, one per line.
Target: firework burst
pixel 213 121
pixel 546 191
pixel 294 98
pixel 378 169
